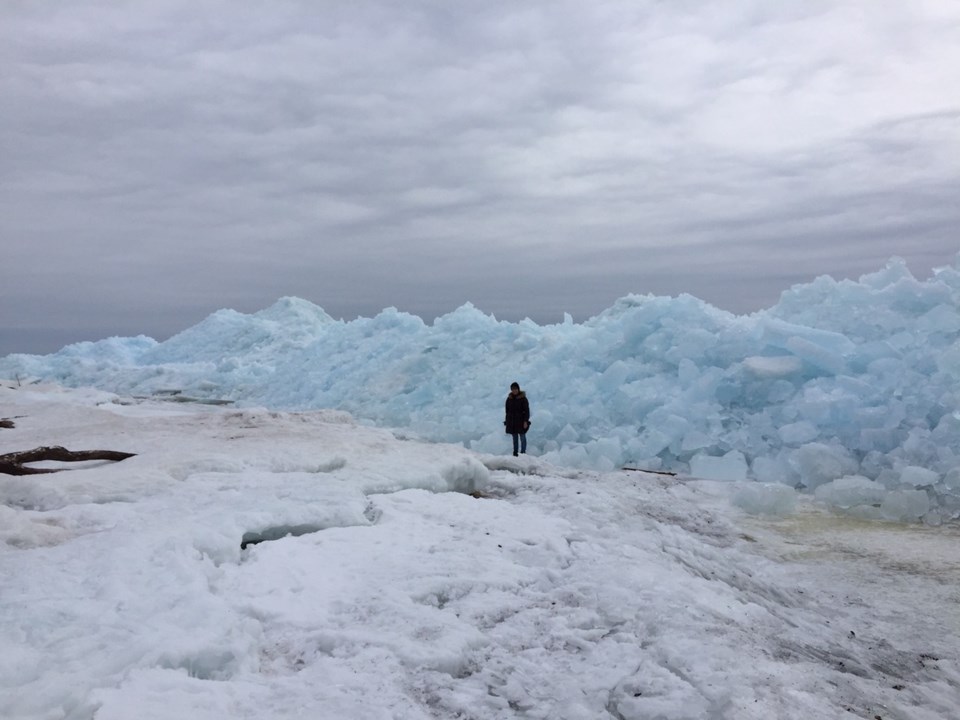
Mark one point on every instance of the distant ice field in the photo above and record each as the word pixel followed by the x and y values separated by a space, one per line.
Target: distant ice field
pixel 846 389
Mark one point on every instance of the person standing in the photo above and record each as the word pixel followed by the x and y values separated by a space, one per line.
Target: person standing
pixel 517 420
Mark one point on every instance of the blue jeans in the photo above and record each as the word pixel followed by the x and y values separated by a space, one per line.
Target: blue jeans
pixel 522 438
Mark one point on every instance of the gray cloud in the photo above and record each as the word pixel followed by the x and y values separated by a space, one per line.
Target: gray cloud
pixel 164 160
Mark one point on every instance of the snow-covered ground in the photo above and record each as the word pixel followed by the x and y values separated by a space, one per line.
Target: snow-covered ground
pixel 382 588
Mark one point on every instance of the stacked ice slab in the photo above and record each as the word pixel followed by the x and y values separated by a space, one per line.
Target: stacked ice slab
pixel 847 389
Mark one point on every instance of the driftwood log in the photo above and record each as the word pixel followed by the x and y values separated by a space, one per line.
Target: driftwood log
pixel 652 472
pixel 14 463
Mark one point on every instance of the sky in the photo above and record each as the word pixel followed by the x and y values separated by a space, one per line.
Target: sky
pixel 161 161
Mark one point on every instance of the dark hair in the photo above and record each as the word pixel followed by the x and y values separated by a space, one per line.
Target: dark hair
pixel 514 385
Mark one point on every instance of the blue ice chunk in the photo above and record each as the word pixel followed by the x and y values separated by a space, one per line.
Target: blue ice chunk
pixel 779 392
pixel 731 466
pixel 765 499
pixel 880 416
pixel 918 476
pixel 775 469
pixel 687 372
pixel 851 490
pixel 614 376
pixel 948 362
pixel 882 440
pixel 777 366
pixel 779 333
pixel 943 318
pixel 893 272
pixel 606 453
pixel 567 434
pixel 818 463
pixel 905 505
pixel 952 479
pixel 650 443
pixel 696 440
pixel 798 433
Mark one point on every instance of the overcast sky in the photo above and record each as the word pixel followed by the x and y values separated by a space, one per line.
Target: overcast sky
pixel 160 160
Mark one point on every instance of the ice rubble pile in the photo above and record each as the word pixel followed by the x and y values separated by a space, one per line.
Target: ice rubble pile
pixel 847 389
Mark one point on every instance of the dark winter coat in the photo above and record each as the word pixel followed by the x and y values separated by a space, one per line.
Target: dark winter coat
pixel 518 413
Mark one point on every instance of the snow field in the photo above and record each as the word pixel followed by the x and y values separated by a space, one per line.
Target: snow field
pixel 380 588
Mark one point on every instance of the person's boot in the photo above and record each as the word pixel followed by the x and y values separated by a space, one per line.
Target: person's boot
pixel 515 455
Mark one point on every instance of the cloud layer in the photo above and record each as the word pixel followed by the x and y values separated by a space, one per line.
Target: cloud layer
pixel 164 160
